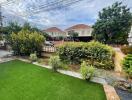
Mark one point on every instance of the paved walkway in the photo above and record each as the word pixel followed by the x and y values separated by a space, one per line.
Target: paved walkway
pixel 118 59
pixel 4 53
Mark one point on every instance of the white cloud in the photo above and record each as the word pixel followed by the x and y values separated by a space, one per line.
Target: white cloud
pixel 86 11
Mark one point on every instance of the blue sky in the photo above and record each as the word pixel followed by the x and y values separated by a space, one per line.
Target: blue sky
pixel 85 11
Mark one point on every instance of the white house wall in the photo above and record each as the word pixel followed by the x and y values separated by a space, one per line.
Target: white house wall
pixel 82 32
pixel 130 37
pixel 55 34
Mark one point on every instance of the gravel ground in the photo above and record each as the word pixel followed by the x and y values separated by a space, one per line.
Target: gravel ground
pixel 124 95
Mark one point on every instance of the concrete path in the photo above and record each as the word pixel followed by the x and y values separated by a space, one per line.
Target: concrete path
pixel 118 59
pixel 4 53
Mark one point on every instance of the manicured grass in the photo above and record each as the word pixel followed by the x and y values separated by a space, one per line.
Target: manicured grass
pixel 24 81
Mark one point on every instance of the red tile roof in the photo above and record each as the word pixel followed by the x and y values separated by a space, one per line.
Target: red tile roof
pixel 54 29
pixel 79 26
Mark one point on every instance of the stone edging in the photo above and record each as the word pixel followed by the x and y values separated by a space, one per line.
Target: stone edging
pixel 110 93
pixel 109 90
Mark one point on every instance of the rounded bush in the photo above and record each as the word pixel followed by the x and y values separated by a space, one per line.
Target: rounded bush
pixel 86 71
pixel 55 63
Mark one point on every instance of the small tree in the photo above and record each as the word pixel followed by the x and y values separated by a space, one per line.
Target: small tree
pixel 26 42
pixel 113 24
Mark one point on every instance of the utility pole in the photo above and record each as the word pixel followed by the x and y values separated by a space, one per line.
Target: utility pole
pixel 1 19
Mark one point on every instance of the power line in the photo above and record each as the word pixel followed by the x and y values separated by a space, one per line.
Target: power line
pixel 53 6
pixel 0 19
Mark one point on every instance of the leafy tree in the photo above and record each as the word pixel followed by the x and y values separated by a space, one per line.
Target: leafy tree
pixel 27 26
pixel 48 37
pixel 113 24
pixel 26 42
pixel 73 35
pixel 12 27
pixel 1 38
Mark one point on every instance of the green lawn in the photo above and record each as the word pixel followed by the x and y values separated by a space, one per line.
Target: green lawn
pixel 24 81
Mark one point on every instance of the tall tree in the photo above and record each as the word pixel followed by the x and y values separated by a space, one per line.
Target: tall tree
pixel 113 24
pixel 13 27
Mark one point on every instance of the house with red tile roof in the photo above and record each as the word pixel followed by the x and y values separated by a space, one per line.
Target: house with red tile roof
pixel 55 32
pixel 82 30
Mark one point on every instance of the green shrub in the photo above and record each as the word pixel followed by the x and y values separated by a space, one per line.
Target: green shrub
pixel 86 71
pixel 63 66
pixel 33 57
pixel 40 60
pixel 93 52
pixel 126 49
pixel 127 65
pixel 1 38
pixel 55 63
pixel 26 42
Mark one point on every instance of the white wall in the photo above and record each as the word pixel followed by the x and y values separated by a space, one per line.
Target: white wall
pixel 56 34
pixel 82 32
pixel 130 37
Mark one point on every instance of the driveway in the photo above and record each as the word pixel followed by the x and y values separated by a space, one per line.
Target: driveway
pixel 4 53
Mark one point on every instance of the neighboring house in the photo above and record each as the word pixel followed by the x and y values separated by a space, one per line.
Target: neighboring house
pixel 130 37
pixel 84 31
pixel 55 32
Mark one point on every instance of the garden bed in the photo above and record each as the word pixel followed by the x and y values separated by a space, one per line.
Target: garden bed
pixel 24 81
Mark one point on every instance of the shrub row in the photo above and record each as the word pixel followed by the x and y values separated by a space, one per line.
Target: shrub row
pixel 95 53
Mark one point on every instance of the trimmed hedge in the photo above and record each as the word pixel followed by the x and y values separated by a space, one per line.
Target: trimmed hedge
pixel 95 53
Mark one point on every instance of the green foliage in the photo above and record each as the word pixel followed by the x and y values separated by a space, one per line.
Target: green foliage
pixel 40 60
pixel 113 25
pixel 126 49
pixel 46 35
pixel 127 65
pixel 97 54
pixel 55 62
pixel 13 27
pixel 26 42
pixel 1 38
pixel 73 34
pixel 33 57
pixel 87 71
